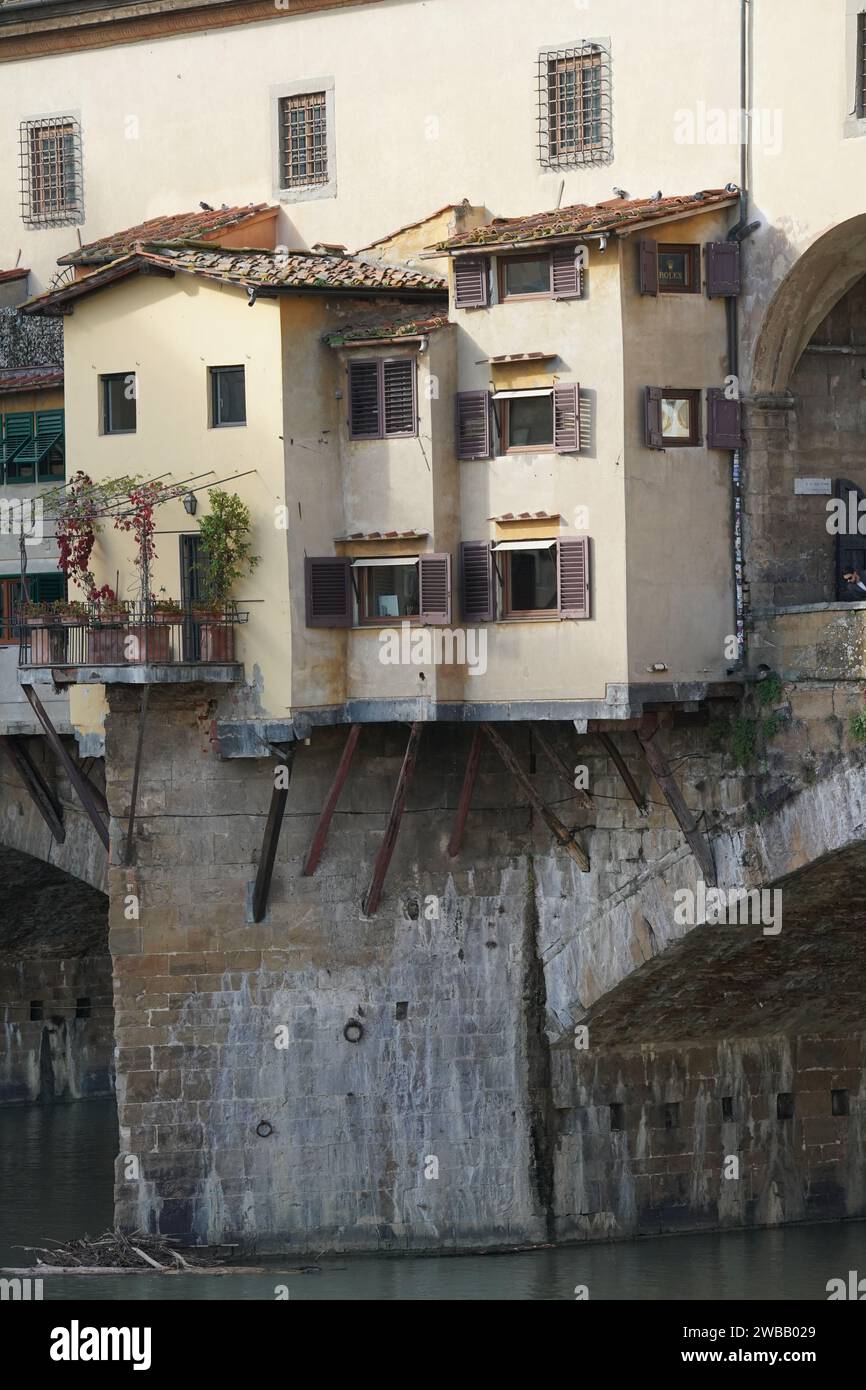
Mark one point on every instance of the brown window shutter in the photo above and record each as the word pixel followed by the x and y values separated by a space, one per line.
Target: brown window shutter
pixel 479 598
pixel 723 269
pixel 435 589
pixel 649 267
pixel 573 561
pixel 473 424
pixel 566 419
pixel 328 588
pixel 653 416
pixel 398 396
pixel 471 276
pixel 566 273
pixel 364 413
pixel 723 420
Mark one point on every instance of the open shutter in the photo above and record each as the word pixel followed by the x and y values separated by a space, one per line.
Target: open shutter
pixel 573 561
pixel 471 277
pixel 649 267
pixel 566 419
pixel 435 588
pixel 723 420
pixel 364 400
pixel 328 591
pixel 566 273
pixel 398 396
pixel 723 269
pixel 653 417
pixel 479 599
pixel 473 424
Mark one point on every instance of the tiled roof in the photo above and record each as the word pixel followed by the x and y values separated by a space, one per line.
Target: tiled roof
pixel 617 215
pixel 265 272
pixel 526 516
pixel 19 273
pixel 387 329
pixel 384 536
pixel 29 379
pixel 200 225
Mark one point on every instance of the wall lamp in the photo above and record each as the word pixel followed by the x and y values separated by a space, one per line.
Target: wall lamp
pixel 190 503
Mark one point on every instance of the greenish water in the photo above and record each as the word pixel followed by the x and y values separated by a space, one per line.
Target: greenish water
pixel 56 1180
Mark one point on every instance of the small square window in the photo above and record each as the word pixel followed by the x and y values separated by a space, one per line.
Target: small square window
pixel 672 1115
pixel 527 422
pixel 524 277
pixel 680 414
pixel 785 1105
pixel 530 581
pixel 679 269
pixel 228 396
pixel 82 1008
pixel 119 403
pixel 387 591
pixel 839 1103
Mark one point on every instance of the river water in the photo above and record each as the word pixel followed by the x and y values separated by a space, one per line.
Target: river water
pixel 56 1181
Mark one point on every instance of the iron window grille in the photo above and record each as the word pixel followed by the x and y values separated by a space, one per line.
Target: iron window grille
pixel 860 99
pixel 51 172
pixel 303 140
pixel 575 126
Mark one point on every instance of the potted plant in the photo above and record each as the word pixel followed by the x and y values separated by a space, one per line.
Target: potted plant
pixel 46 641
pixel 105 635
pixel 165 610
pixel 227 555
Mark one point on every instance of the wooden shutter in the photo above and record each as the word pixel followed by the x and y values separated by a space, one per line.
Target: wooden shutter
pixel 473 424
pixel 328 591
pixel 479 598
pixel 723 420
pixel 47 588
pixel 566 419
pixel 649 267
pixel 364 421
pixel 565 273
pixel 653 417
pixel 435 588
pixel 398 396
pixel 723 269
pixel 573 562
pixel 471 277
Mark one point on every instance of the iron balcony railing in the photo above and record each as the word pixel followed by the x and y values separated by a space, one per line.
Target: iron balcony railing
pixel 131 634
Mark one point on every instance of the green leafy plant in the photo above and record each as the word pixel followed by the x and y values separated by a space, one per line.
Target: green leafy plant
pixel 769 690
pixel 227 553
pixel 743 740
pixel 857 726
pixel 771 726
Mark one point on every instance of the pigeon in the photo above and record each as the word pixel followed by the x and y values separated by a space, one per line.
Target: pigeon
pixel 656 197
pixel 205 207
pixel 699 197
pixel 620 192
pixel 731 188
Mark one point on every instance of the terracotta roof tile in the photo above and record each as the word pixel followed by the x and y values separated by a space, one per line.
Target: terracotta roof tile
pixel 389 328
pixel 181 226
pixel 526 516
pixel 384 536
pixel 19 273
pixel 615 215
pixel 29 379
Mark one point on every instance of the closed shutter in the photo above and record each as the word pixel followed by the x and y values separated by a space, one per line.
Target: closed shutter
pixel 723 420
pixel 471 277
pixel 479 599
pixel 649 267
pixel 653 417
pixel 573 561
pixel 435 588
pixel 473 425
pixel 723 269
pixel 328 591
pixel 566 419
pixel 364 400
pixel 47 588
pixel 398 395
pixel 566 276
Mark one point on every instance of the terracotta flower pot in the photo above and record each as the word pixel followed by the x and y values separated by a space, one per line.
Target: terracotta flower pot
pixel 217 640
pixel 47 645
pixel 150 642
pixel 105 645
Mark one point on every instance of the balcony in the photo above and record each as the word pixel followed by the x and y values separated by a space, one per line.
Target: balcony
pixel 129 644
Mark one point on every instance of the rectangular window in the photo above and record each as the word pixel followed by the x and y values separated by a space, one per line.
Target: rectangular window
pixel 387 588
pixel 43 588
pixel 228 396
pixel 679 269
pixel 527 422
pixel 50 172
pixel 303 140
pixel 382 403
pixel 523 277
pixel 574 108
pixel 118 403
pixel 861 65
pixel 529 579
pixel 673 416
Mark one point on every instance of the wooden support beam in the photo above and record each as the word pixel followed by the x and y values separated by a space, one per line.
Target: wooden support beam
pixel 273 826
pixel 559 766
pixel 41 794
pixel 130 829
pixel 84 789
pixel 554 824
pixel 389 840
pixel 469 778
pixel 324 823
pixel 688 823
pixel 621 766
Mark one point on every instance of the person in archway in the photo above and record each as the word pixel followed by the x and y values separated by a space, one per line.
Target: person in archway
pixel 853 578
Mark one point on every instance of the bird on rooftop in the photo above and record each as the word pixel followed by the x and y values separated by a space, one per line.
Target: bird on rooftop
pixel 731 188
pixel 205 207
pixel 620 192
pixel 656 197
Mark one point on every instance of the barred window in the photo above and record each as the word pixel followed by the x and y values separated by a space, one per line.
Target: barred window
pixel 861 65
pixel 50 170
pixel 303 140
pixel 574 106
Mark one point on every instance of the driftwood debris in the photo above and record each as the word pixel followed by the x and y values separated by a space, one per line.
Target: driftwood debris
pixel 116 1253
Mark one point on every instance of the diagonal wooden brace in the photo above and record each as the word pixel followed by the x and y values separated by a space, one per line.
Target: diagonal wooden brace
pixel 619 762
pixel 84 789
pixel 41 794
pixel 559 766
pixel 554 824
pixel 688 823
pixel 392 830
pixel 323 825
pixel 466 791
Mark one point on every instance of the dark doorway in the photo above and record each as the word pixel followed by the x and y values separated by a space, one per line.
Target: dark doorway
pixel 190 592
